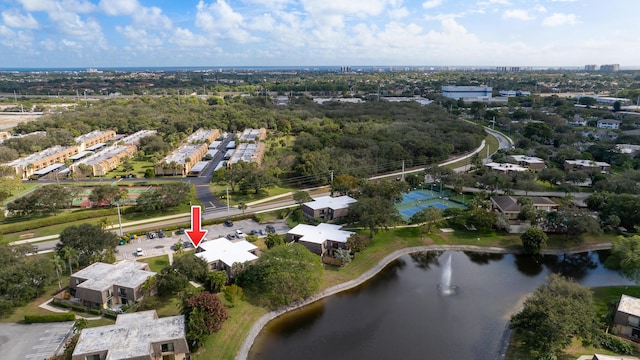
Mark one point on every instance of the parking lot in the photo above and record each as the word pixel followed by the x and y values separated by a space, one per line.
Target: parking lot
pixel 158 246
pixel 33 341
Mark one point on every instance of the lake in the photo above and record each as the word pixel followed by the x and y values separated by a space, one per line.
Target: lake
pixel 401 314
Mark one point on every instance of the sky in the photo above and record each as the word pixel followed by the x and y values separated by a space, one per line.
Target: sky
pixel 128 33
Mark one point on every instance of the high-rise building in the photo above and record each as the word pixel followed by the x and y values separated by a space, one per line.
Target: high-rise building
pixel 610 68
pixel 591 67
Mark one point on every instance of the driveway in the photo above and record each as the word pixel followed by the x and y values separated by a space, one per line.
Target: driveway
pixel 32 341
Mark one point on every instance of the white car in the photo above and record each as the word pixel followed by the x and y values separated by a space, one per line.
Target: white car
pixel 240 234
pixel 139 252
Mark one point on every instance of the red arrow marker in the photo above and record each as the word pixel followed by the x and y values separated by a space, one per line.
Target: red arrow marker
pixel 196 234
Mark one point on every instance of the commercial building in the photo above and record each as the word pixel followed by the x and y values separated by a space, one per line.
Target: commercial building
pixel 222 254
pixel 27 166
pixel 589 166
pixel 609 124
pixel 140 335
pixel 105 160
pixel 609 68
pixel 531 162
pixel 505 167
pixel 93 138
pixel 323 239
pixel 181 160
pixel 101 285
pixel 508 205
pixel 480 93
pixel 327 207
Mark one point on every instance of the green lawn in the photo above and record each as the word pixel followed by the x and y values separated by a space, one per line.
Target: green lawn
pixel 235 199
pixel 157 263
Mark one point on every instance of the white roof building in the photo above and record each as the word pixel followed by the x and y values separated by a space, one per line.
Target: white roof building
pixel 319 239
pixel 505 167
pixel 222 254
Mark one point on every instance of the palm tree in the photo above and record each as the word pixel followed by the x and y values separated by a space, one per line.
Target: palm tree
pixel 242 206
pixel 58 265
pixel 68 254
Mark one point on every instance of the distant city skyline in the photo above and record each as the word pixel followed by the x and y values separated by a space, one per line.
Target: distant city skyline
pixel 284 33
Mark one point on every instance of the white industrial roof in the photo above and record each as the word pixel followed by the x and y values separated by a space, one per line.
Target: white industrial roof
pixel 321 233
pixel 101 276
pixel 226 251
pixel 323 202
pixel 528 159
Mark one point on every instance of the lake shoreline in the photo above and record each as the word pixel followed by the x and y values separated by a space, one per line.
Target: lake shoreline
pixel 257 327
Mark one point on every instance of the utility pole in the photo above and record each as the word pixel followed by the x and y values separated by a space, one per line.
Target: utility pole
pixel 331 176
pixel 119 218
pixel 178 97
pixel 227 200
pixel 15 96
pixel 402 170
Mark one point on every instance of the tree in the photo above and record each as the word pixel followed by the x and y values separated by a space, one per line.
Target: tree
pixel 374 213
pixel 625 257
pixel 216 280
pixel 68 254
pixel 149 286
pixel 232 293
pixel 107 195
pixel 204 314
pixel 345 184
pixel 242 206
pixel 58 266
pixel 273 240
pixel 301 197
pixel 357 242
pixel 88 240
pixel 284 274
pixel 191 266
pixel 553 314
pixel 428 217
pixel 533 241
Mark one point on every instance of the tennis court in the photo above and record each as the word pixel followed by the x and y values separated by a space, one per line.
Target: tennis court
pixel 417 200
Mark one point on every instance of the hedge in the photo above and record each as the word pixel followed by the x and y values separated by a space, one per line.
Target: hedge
pixel 79 308
pixel 95 311
pixel 62 217
pixel 110 315
pixel 49 318
pixel 616 344
pixel 61 303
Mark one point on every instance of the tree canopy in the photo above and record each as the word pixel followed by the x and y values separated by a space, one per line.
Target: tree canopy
pixel 553 314
pixel 90 241
pixel 283 274
pixel 625 257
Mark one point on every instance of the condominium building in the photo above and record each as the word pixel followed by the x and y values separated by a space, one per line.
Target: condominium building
pixel 95 137
pixel 247 152
pixel 28 165
pixel 253 135
pixel 106 160
pixel 181 160
pixel 203 135
pixel 134 139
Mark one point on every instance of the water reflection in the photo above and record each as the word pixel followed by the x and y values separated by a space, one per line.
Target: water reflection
pixel 528 265
pixel 575 266
pixel 424 259
pixel 483 258
pixel 401 315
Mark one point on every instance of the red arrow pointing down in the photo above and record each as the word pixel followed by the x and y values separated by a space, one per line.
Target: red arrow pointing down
pixel 196 233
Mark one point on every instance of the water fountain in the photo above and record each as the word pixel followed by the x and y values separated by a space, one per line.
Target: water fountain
pixel 445 286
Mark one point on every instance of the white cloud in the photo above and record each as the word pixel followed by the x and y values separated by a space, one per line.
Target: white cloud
pixel 398 13
pixel 77 6
pixel 265 22
pixel 331 13
pixel 563 0
pixel 184 38
pixel 71 45
pixel 540 8
pixel 431 4
pixel 143 16
pixel 14 39
pixel 143 40
pixel 13 18
pixel 119 7
pixel 559 19
pixel 220 20
pixel 517 14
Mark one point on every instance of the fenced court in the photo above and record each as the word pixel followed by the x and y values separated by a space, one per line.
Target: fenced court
pixel 417 200
pixel 82 198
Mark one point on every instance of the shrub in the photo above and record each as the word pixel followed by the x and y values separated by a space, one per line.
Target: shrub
pixel 49 318
pixel 616 344
pixel 78 308
pixel 110 315
pixel 95 311
pixel 59 303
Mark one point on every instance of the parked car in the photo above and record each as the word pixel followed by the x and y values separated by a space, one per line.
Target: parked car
pixel 180 231
pixel 187 245
pixel 240 234
pixel 253 232
pixel 228 223
pixel 262 232
pixel 270 229
pixel 151 235
pixel 139 252
pixel 161 234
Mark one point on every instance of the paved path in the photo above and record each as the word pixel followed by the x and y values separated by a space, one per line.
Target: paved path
pixel 263 320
